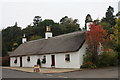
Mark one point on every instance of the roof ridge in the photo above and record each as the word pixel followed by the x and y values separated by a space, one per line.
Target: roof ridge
pixel 69 34
pixel 57 36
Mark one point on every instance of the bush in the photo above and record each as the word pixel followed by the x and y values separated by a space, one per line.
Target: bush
pixel 108 58
pixel 87 58
pixel 88 61
pixel 88 65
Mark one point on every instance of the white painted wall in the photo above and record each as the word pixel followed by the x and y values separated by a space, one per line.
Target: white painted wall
pixel 31 63
pixel 12 64
pixel 88 25
pixel 48 61
pixel 33 60
pixel 24 40
pixel 82 52
pixel 76 59
pixel 48 34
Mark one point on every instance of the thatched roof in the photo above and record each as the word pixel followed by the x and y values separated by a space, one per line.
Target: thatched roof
pixel 70 42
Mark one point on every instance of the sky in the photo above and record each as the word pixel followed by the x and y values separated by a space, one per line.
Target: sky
pixel 23 11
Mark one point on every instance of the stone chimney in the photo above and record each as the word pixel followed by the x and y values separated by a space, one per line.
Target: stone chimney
pixel 48 33
pixel 24 39
pixel 88 25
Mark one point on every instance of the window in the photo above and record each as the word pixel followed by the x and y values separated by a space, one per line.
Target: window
pixel 67 57
pixel 28 58
pixel 44 60
pixel 15 61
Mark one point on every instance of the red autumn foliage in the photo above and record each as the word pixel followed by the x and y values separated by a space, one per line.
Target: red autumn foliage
pixel 95 35
pixel 89 63
pixel 107 49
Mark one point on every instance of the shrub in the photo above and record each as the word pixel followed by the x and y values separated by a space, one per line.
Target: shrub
pixel 108 58
pixel 88 61
pixel 88 65
pixel 87 58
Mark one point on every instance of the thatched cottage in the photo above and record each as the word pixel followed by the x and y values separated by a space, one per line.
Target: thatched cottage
pixel 64 51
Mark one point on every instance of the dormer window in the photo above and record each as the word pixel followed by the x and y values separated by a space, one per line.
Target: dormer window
pixel 28 58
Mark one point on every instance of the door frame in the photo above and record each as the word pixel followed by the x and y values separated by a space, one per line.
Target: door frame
pixel 52 60
pixel 20 61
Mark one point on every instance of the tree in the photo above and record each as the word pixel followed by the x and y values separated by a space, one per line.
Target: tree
pixel 11 35
pixel 115 37
pixel 67 28
pixel 46 22
pixel 95 36
pixel 63 20
pixel 29 31
pixel 66 20
pixel 16 24
pixel 118 14
pixel 4 50
pixel 109 17
pixel 35 37
pixel 41 29
pixel 87 19
pixel 96 22
pixel 36 20
pixel 56 29
pixel 106 26
pixel 15 45
pixel 68 25
pixel 109 12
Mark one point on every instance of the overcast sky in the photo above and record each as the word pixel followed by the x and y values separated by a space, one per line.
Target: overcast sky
pixel 23 11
